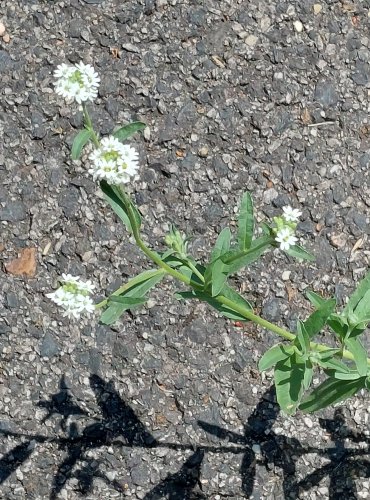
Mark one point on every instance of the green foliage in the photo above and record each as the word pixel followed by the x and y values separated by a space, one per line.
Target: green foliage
pixel 121 205
pixel 277 353
pixel 226 311
pixel 245 222
pixel 299 253
pixel 127 131
pixel 292 376
pixel 130 295
pixel 79 142
pixel 236 260
pixel 217 272
pixel 331 391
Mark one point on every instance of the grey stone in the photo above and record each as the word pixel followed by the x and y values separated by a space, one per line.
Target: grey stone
pixel 6 62
pixel 38 127
pixel 196 331
pixel 326 94
pixel 14 211
pixel 68 200
pixel 361 75
pixel 12 301
pixel 271 310
pixel 49 346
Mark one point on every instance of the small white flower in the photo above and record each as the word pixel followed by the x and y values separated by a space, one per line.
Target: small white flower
pixel 286 238
pixel 291 214
pixel 77 83
pixel 73 296
pixel 113 161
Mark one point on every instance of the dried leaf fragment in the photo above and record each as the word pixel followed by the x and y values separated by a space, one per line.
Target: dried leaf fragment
pixel 25 264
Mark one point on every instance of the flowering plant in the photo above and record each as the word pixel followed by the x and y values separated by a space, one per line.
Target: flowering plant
pixel 114 164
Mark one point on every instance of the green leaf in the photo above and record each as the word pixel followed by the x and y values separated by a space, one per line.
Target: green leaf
pixel 359 353
pixel 350 375
pixel 308 374
pixel 316 300
pixel 318 319
pixel 216 272
pixel 128 301
pixel 357 295
pixel 258 246
pixel 331 362
pixel 113 195
pixel 331 391
pixel 127 131
pixel 222 244
pixel 303 337
pixel 224 310
pixel 289 377
pixel 245 222
pixel 275 354
pixel 299 253
pixel 362 310
pixel 81 139
pixel 135 288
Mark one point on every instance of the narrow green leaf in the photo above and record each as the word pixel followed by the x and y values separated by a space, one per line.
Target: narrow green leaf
pixel 113 196
pixel 224 310
pixel 289 379
pixel 233 295
pixel 333 363
pixel 331 391
pixel 299 253
pixel 359 353
pixel 258 246
pixel 318 319
pixel 362 310
pixel 81 139
pixel 137 288
pixel 127 131
pixel 303 337
pixel 128 301
pixel 216 272
pixel 274 355
pixel 222 244
pixel 316 300
pixel 245 222
pixel 308 374
pixel 357 295
pixel 351 375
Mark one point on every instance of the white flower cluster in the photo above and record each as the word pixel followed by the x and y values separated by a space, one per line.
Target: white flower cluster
pixel 77 83
pixel 286 224
pixel 113 161
pixel 73 296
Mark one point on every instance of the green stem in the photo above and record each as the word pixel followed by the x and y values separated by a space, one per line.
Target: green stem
pixel 89 125
pixel 149 253
pixel 276 329
pixel 193 268
pixel 246 313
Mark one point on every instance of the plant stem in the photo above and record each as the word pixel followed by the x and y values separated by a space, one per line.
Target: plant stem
pixel 194 269
pixel 247 313
pixel 89 125
pixel 149 253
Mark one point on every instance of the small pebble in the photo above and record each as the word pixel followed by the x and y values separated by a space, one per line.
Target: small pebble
pixel 251 40
pixel 298 26
pixel 203 152
pixel 6 38
pixel 317 8
pixel 2 29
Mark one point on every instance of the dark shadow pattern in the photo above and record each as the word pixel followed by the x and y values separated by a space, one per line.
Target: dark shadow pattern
pixel 118 425
pixel 275 449
pixel 344 466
